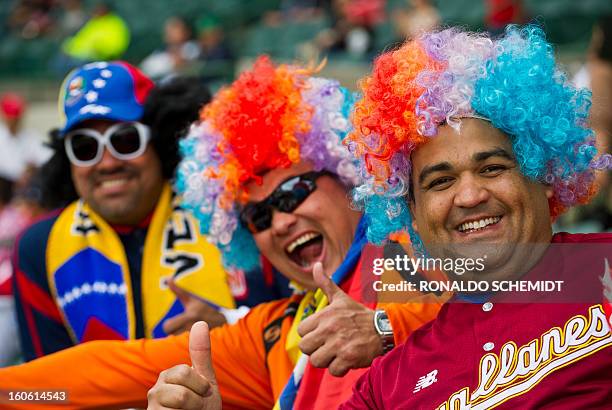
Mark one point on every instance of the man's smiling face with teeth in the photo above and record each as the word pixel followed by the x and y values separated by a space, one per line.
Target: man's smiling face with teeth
pixel 120 191
pixel 468 190
pixel 319 229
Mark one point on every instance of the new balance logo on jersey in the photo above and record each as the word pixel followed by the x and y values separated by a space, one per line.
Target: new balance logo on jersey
pixel 426 381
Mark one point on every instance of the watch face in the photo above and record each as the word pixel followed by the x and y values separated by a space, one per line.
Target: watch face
pixel 384 324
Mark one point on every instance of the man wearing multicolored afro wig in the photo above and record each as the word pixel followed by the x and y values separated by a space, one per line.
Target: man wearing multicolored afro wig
pixel 475 145
pixel 265 172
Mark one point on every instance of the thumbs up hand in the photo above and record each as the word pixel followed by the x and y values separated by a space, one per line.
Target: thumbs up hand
pixel 189 388
pixel 341 336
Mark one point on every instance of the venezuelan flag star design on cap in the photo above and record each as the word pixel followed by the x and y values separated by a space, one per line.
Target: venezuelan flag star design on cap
pixel 103 90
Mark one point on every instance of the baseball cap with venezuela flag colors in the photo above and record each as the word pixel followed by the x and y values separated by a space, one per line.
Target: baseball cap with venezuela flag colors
pixel 103 90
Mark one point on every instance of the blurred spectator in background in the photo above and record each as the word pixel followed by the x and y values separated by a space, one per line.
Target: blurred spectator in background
pixel 104 37
pixel 179 50
pixel 31 18
pixel 422 16
pixel 295 11
pixel 72 18
pixel 21 150
pixel 596 74
pixel 18 208
pixel 9 340
pixel 352 27
pixel 500 13
pixel 211 40
pixel 15 215
pixel 600 68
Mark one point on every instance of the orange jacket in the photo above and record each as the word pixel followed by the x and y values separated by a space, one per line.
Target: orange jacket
pixel 249 359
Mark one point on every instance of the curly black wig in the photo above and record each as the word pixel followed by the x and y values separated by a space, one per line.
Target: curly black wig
pixel 169 110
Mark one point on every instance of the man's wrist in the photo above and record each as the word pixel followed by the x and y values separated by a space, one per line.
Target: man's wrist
pixel 384 330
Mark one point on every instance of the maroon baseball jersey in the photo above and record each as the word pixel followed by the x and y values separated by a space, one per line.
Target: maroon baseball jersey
pixel 504 355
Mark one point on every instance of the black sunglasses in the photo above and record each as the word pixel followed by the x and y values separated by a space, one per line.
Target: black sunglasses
pixel 289 194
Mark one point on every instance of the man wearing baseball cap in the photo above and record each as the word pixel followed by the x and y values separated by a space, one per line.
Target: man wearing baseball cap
pixel 122 260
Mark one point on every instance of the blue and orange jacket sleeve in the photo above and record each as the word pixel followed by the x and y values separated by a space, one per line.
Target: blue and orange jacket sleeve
pixel 118 374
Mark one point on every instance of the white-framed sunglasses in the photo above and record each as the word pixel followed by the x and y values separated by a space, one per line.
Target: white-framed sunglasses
pixel 124 141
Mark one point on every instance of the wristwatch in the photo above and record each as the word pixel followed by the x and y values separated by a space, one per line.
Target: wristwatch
pixel 384 330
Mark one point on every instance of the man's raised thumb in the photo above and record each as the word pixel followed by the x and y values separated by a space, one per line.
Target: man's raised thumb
pixel 325 283
pixel 199 351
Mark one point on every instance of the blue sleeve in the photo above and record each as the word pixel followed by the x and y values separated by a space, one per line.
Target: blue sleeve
pixel 41 328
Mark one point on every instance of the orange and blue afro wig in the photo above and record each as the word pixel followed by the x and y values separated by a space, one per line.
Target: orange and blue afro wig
pixel 513 82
